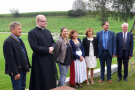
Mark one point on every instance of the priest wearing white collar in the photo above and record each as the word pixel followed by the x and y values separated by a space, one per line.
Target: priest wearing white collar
pixel 43 66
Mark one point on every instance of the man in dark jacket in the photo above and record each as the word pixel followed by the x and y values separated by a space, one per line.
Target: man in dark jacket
pixel 43 65
pixel 124 43
pixel 16 58
pixel 106 50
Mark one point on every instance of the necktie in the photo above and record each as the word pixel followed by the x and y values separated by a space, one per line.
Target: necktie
pixel 124 40
pixel 105 36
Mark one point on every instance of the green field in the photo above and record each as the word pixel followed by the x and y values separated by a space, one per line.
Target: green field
pixel 54 25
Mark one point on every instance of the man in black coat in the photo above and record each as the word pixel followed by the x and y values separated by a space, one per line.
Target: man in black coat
pixel 43 65
pixel 16 58
pixel 124 43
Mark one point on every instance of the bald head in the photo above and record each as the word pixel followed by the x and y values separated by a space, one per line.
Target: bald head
pixel 41 21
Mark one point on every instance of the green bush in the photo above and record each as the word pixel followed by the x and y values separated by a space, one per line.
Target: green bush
pixel 1 16
pixel 76 13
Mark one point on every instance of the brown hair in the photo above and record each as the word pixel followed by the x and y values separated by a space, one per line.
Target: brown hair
pixel 88 30
pixel 13 25
pixel 62 30
pixel 71 33
pixel 104 23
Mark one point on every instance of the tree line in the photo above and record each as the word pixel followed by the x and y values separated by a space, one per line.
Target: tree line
pixel 104 9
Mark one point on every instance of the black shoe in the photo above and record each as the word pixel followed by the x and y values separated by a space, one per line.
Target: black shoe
pixel 119 79
pixel 74 86
pixel 126 79
pixel 79 85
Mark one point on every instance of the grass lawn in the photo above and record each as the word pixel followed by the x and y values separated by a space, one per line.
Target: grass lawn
pixel 122 85
pixel 55 23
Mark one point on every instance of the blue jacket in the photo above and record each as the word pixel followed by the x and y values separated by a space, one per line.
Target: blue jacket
pixel 128 46
pixel 111 43
pixel 75 56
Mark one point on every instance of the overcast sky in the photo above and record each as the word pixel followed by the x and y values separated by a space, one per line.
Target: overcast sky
pixel 35 5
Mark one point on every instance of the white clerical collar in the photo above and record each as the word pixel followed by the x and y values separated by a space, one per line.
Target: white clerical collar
pixel 40 27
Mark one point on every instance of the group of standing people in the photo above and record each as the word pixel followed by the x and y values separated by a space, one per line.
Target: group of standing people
pixel 79 55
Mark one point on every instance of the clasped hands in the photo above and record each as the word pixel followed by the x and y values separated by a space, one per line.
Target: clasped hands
pixel 51 50
pixel 81 58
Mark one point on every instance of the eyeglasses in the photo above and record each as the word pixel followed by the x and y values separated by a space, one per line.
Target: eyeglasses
pixel 42 21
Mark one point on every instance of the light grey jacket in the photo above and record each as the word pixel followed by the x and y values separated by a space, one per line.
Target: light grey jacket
pixel 60 50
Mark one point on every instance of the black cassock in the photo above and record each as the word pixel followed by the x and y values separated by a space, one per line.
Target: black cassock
pixel 43 70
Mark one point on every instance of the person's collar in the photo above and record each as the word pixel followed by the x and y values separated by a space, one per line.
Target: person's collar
pixel 124 32
pixel 40 27
pixel 15 37
pixel 63 38
pixel 105 31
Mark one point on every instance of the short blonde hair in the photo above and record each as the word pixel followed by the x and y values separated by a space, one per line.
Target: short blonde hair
pixel 38 17
pixel 88 30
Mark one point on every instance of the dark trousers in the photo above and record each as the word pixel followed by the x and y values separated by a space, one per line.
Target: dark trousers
pixel 105 58
pixel 123 60
pixel 19 84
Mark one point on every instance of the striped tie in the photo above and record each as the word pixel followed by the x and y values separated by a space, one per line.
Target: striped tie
pixel 124 40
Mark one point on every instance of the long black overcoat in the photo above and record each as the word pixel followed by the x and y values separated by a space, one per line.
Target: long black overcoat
pixel 43 65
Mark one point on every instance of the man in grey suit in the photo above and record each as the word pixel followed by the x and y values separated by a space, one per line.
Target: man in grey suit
pixel 106 50
pixel 124 43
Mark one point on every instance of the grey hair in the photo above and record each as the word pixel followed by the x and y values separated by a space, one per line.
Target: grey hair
pixel 124 24
pixel 13 25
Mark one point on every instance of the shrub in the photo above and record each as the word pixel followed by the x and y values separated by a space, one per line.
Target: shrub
pixel 76 13
pixel 15 12
pixel 1 16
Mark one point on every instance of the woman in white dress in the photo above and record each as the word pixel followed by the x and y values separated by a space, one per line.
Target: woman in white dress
pixel 78 72
pixel 90 48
